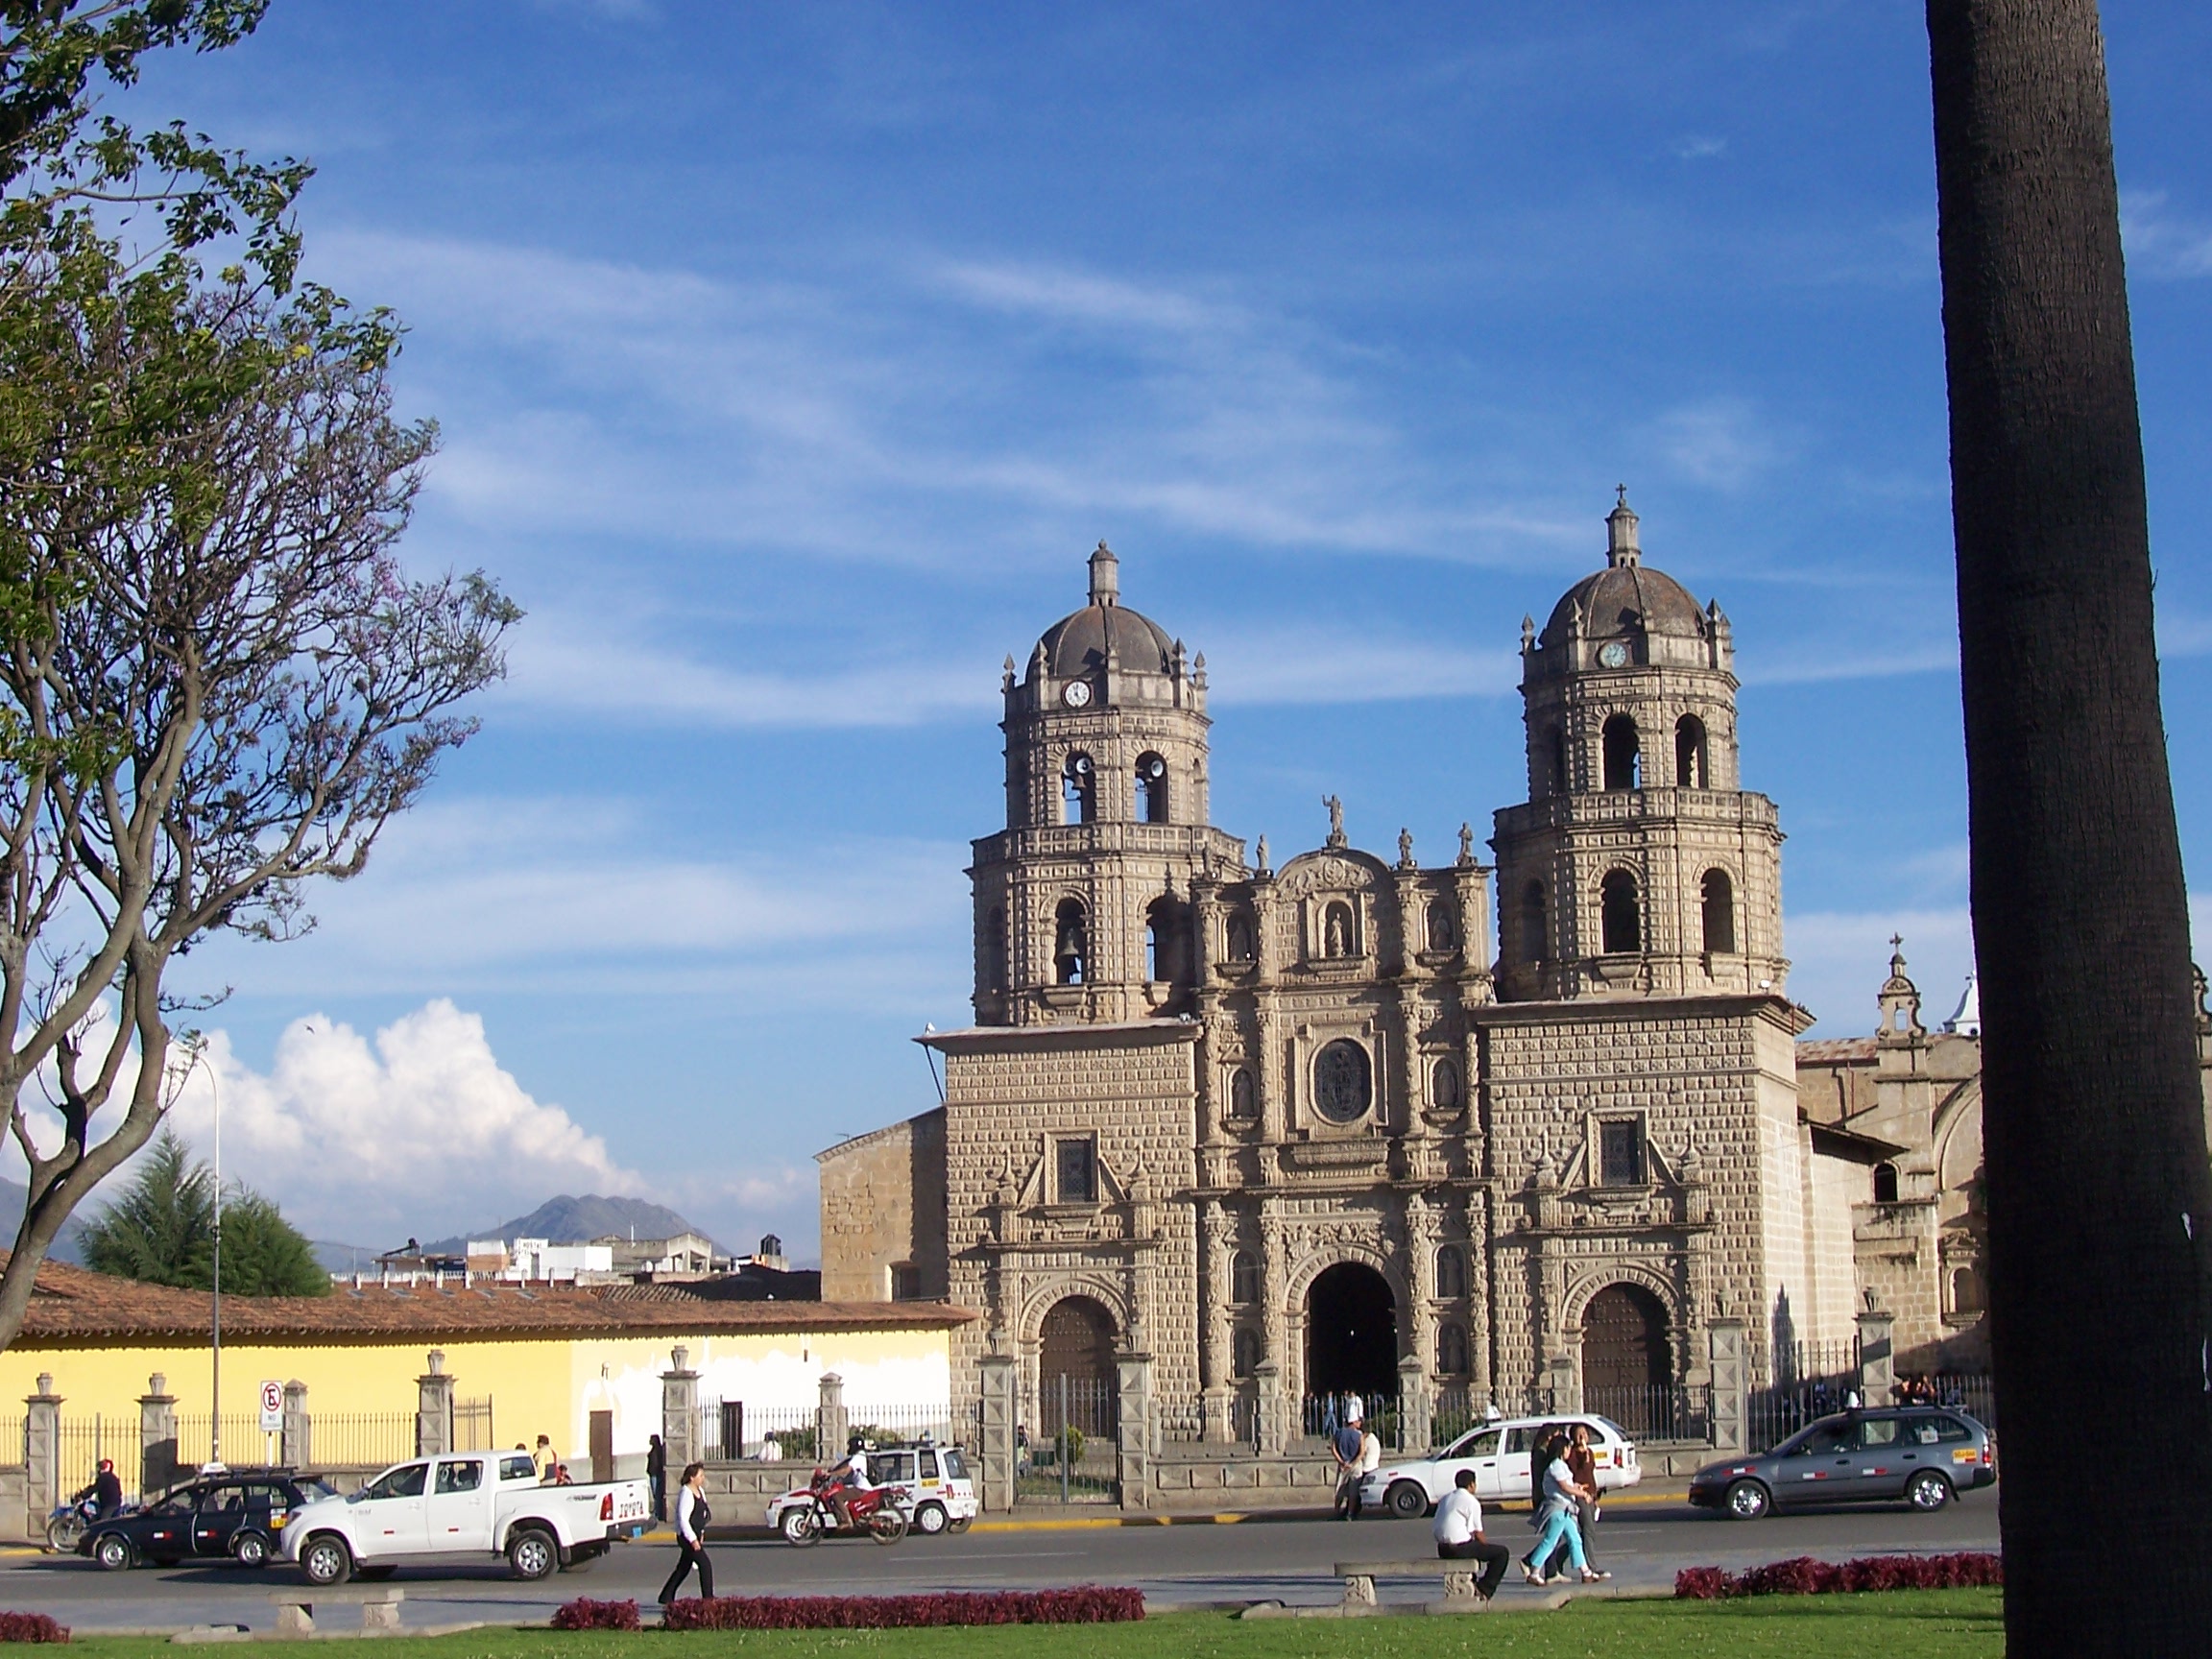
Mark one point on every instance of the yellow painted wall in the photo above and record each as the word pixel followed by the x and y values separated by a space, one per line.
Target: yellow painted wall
pixel 538 1386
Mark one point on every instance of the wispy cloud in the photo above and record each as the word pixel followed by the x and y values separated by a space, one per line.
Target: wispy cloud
pixel 1814 663
pixel 1698 147
pixel 2162 241
pixel 1317 665
pixel 1723 443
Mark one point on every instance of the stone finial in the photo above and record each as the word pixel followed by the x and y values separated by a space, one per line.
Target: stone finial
pixel 678 1359
pixel 437 1362
pixel 1620 545
pixel 1006 674
pixel 1527 634
pixel 1105 578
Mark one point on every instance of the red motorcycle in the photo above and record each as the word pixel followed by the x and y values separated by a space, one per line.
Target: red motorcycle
pixel 804 1513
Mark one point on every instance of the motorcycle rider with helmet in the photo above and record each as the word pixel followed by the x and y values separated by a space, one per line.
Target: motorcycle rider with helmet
pixel 848 1480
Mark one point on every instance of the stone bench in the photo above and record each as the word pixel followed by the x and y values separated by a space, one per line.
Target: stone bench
pixel 296 1608
pixel 1459 1576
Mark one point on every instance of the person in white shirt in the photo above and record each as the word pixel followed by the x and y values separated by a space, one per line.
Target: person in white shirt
pixel 1458 1532
pixel 691 1519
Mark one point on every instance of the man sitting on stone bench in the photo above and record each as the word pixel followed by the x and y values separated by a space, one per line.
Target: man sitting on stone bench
pixel 1459 1536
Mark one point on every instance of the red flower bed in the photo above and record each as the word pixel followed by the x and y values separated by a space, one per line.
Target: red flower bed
pixel 586 1614
pixel 1803 1576
pixel 1086 1604
pixel 31 1628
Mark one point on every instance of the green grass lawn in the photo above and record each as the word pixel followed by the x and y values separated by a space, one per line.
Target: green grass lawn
pixel 1899 1624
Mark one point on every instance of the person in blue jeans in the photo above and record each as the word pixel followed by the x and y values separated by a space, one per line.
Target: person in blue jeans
pixel 1563 1496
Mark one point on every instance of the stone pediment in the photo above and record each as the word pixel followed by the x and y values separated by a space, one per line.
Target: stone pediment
pixel 1331 871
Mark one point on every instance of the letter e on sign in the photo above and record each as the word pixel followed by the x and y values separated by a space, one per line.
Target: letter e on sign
pixel 271 1408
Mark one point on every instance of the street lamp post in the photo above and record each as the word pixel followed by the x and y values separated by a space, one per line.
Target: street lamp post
pixel 215 1422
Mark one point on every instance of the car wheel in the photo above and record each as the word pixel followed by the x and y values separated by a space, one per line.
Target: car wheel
pixel 1927 1492
pixel 250 1549
pixel 113 1551
pixel 531 1556
pixel 1406 1499
pixel 801 1526
pixel 1745 1501
pixel 930 1520
pixel 326 1560
pixel 962 1525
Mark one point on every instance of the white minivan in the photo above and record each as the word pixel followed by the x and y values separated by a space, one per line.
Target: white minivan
pixel 1499 1455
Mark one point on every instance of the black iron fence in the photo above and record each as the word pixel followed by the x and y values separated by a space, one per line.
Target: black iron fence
pixel 1666 1412
pixel 1070 1455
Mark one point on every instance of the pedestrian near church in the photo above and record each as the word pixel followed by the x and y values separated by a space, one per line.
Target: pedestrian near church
pixel 1559 1515
pixel 1459 1536
pixel 1584 1463
pixel 692 1517
pixel 1345 1444
pixel 1370 1460
pixel 657 1472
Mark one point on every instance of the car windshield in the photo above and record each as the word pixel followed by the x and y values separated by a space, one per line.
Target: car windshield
pixel 177 1503
pixel 402 1483
pixel 1613 1429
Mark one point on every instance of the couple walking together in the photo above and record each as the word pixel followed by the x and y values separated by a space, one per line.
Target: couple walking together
pixel 1566 1509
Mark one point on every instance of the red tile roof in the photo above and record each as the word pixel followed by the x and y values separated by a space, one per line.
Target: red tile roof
pixel 1831 1050
pixel 72 1305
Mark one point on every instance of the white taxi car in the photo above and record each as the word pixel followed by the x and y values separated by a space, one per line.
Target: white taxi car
pixel 1499 1455
pixel 935 1480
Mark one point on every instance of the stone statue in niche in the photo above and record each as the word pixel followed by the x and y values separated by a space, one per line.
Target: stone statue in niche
pixel 1338 932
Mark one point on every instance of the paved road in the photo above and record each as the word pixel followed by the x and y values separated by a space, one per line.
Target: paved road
pixel 1181 1565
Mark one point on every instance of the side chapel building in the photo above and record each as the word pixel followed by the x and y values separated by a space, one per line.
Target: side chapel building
pixel 1316 1118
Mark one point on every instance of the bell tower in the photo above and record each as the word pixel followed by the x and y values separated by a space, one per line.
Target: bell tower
pixel 1639 865
pixel 1083 900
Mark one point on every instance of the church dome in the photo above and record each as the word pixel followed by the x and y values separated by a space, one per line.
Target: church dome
pixel 1077 643
pixel 1628 594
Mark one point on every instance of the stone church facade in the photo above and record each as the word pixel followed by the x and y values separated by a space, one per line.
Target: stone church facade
pixel 1292 1130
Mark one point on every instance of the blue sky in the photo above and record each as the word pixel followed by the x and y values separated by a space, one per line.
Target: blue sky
pixel 789 360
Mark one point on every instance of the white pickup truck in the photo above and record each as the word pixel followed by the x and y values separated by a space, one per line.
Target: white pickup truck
pixel 462 1503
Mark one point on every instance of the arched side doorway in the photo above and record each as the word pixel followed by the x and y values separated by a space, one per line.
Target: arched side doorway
pixel 1078 1383
pixel 1627 1360
pixel 1351 1333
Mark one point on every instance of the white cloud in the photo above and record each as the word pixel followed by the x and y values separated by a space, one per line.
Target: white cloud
pixel 1698 147
pixel 1326 665
pixel 1816 661
pixel 1723 443
pixel 2161 242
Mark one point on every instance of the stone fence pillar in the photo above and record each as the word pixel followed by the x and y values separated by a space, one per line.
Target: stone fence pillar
pixel 298 1441
pixel 434 1408
pixel 1877 1361
pixel 1271 1436
pixel 831 1426
pixel 1565 1383
pixel 156 1438
pixel 41 1456
pixel 1414 1404
pixel 1136 1434
pixel 996 1454
pixel 680 1433
pixel 1731 1385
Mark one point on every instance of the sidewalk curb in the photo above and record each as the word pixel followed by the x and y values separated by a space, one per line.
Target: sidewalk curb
pixel 1240 1517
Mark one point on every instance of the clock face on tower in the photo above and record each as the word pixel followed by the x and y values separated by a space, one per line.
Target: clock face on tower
pixel 1077 694
pixel 1613 654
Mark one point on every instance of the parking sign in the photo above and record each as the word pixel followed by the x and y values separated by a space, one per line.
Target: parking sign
pixel 271 1408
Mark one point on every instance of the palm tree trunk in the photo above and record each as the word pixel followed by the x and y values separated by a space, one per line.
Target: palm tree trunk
pixel 2098 1191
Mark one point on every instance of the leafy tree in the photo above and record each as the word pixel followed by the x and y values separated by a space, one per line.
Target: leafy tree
pixel 2098 1189
pixel 216 681
pixel 162 1231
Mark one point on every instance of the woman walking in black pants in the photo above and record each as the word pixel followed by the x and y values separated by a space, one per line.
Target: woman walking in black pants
pixel 691 1519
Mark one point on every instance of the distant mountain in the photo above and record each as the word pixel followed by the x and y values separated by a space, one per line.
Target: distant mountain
pixel 337 1258
pixel 570 1219
pixel 68 1243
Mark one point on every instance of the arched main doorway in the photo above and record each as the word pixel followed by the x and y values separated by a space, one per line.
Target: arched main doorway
pixel 1351 1333
pixel 1077 1381
pixel 1627 1362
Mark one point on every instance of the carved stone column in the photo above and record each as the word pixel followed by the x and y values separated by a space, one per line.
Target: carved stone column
pixel 1267 1382
pixel 1216 1249
pixel 1274 1268
pixel 1414 1401
pixel 41 1456
pixel 1422 1230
